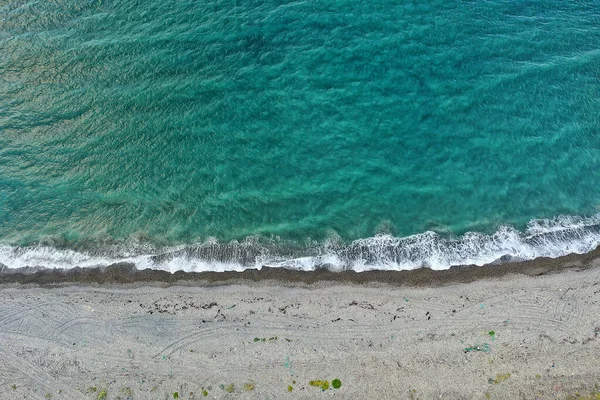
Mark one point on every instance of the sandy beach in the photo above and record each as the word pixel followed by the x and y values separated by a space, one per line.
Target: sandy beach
pixel 524 330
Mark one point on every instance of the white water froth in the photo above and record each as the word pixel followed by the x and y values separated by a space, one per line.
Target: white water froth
pixel 543 238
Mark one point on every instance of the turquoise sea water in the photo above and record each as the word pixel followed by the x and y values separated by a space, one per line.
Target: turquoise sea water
pixel 224 133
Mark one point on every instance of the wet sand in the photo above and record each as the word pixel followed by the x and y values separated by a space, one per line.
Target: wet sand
pixel 128 274
pixel 523 330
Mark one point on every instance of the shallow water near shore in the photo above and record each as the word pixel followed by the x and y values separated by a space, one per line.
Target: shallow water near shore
pixel 542 238
pixel 225 135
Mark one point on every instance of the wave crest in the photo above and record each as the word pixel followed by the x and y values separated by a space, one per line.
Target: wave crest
pixel 554 237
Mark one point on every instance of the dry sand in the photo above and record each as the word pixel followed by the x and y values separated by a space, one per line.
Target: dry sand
pixel 511 337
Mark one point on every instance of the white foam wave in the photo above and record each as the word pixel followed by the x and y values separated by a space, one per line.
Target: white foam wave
pixel 543 238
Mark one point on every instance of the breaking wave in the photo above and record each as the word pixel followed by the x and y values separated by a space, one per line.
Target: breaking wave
pixel 542 238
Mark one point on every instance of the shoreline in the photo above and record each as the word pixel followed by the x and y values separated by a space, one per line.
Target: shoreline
pixel 125 273
pixel 542 238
